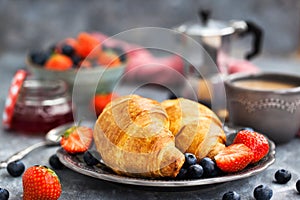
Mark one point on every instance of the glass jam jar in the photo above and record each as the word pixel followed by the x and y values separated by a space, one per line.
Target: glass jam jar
pixel 41 106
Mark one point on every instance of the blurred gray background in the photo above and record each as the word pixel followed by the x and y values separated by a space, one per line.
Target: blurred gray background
pixel 29 24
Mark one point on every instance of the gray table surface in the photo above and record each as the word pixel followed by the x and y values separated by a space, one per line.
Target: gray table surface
pixel 77 186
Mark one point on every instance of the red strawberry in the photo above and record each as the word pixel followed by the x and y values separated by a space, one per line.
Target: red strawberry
pixel 39 183
pixel 77 139
pixel 234 158
pixel 59 62
pixel 101 100
pixel 86 43
pixel 255 141
pixel 109 59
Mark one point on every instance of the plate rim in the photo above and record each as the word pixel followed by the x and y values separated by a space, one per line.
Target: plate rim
pixel 65 158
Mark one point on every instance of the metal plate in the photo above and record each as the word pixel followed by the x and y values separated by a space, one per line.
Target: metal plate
pixel 76 163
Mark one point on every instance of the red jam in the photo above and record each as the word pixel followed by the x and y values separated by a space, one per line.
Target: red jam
pixel 41 106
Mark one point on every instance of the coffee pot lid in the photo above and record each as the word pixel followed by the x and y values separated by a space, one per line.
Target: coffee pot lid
pixel 206 27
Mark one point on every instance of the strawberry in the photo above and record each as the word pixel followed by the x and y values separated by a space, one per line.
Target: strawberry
pixel 59 62
pixel 234 158
pixel 86 43
pixel 77 139
pixel 109 59
pixel 39 183
pixel 101 100
pixel 255 141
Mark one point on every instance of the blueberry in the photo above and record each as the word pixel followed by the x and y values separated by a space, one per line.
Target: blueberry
pixel 55 162
pixel 67 50
pixel 123 57
pixel 195 171
pixel 4 194
pixel 89 159
pixel 15 168
pixel 182 174
pixel 298 185
pixel 190 159
pixel 231 195
pixel 120 52
pixel 263 192
pixel 283 176
pixel 39 57
pixel 76 60
pixel 210 168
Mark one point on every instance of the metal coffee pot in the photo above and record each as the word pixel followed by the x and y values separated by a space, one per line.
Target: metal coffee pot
pixel 215 37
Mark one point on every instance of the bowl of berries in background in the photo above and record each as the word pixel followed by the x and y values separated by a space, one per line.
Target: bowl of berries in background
pixel 83 59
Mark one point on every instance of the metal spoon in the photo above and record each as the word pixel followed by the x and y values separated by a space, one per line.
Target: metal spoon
pixel 52 138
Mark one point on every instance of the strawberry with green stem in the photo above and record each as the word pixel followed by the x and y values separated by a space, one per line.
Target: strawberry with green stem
pixel 40 183
pixel 77 139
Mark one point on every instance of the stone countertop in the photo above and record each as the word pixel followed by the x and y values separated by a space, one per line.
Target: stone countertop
pixel 77 186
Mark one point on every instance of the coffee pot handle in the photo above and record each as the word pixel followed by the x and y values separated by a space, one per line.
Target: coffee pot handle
pixel 250 28
pixel 257 33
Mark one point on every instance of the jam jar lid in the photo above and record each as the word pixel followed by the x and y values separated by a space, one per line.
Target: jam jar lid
pixel 43 92
pixel 12 97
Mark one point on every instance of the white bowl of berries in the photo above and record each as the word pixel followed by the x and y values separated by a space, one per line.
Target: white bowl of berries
pixel 80 61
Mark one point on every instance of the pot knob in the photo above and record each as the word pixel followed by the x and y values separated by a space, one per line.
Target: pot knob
pixel 204 15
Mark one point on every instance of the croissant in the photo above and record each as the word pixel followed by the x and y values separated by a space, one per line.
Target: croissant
pixel 196 128
pixel 140 137
pixel 133 138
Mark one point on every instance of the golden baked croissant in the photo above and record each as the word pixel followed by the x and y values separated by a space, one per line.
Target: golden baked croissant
pixel 136 136
pixel 196 128
pixel 132 135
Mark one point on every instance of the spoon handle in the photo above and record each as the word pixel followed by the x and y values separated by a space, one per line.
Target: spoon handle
pixel 21 154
